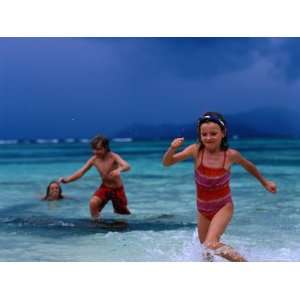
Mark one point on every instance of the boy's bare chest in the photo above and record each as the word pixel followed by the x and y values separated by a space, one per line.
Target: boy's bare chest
pixel 105 165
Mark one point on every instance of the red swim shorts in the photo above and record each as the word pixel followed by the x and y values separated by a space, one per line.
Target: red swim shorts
pixel 116 195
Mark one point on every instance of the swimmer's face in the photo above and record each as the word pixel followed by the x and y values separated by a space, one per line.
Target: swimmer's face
pixel 99 150
pixel 54 191
pixel 211 135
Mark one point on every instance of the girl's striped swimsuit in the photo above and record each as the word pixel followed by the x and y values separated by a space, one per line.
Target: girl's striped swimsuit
pixel 213 190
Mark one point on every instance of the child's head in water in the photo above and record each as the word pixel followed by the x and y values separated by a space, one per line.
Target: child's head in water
pixel 212 131
pixel 100 145
pixel 54 191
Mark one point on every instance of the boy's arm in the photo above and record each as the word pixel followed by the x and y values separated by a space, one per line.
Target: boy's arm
pixel 123 165
pixel 171 157
pixel 78 173
pixel 236 157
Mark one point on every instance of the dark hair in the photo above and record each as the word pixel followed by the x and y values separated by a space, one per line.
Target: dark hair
pixel 215 118
pixel 60 196
pixel 100 139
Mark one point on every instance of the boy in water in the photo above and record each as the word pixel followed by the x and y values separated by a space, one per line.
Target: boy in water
pixel 109 166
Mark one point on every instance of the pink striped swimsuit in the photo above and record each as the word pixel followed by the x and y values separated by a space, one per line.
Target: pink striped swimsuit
pixel 213 190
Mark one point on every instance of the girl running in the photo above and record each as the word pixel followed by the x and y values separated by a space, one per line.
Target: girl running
pixel 212 162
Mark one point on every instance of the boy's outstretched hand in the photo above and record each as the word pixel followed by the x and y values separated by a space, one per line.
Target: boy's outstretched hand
pixel 270 186
pixel 61 180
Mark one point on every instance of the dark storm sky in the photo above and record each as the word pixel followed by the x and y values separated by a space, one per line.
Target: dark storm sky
pixel 77 87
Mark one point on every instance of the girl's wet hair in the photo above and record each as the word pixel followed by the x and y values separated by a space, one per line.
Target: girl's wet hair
pixel 100 139
pixel 60 196
pixel 215 118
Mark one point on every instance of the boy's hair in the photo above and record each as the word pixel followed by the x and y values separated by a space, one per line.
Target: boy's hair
pixel 215 118
pixel 100 139
pixel 60 196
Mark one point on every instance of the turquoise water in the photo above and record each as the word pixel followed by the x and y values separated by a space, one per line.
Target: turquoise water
pixel 162 226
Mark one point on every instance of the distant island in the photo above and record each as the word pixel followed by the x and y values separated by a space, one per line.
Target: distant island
pixel 258 123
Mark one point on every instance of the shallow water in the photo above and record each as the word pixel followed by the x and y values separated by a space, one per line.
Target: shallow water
pixel 162 226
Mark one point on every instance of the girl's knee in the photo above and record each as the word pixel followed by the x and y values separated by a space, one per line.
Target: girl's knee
pixel 211 244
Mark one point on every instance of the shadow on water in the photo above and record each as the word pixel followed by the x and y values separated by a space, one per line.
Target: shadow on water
pixel 63 227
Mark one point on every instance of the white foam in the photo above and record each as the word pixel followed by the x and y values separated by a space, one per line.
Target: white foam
pixel 41 141
pixel 123 140
pixel 85 141
pixel 7 142
pixel 47 141
pixel 69 140
pixel 191 250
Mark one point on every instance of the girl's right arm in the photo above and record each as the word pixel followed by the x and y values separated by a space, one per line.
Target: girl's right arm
pixel 171 157
pixel 78 173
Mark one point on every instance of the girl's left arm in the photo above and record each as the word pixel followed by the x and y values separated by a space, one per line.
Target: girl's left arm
pixel 236 157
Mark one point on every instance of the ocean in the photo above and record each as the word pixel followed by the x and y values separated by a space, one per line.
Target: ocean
pixel 162 227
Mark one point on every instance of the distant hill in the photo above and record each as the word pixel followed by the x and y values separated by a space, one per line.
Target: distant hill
pixel 266 122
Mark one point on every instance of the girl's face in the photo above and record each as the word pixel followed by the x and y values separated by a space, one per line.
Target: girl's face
pixel 54 191
pixel 211 135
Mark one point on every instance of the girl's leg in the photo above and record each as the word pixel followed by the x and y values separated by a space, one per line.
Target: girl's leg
pixel 216 229
pixel 218 225
pixel 203 225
